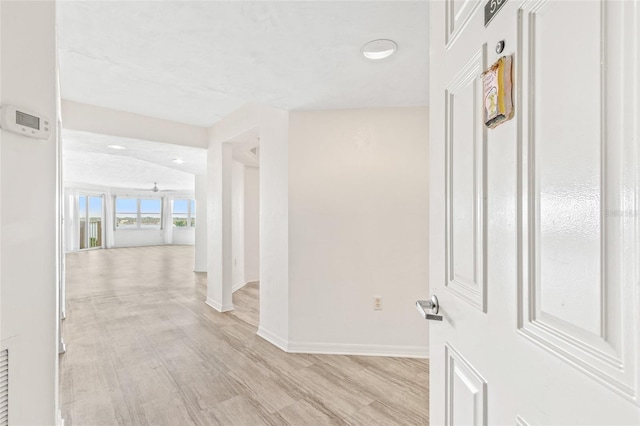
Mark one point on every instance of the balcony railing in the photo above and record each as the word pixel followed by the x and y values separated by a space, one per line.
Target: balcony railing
pixel 95 235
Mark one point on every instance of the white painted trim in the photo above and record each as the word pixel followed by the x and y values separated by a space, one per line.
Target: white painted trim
pixel 59 419
pixel 273 339
pixel 357 349
pixel 472 289
pixel 456 23
pixel 343 348
pixel 200 269
pixel 457 365
pixel 241 284
pixel 237 286
pixel 218 306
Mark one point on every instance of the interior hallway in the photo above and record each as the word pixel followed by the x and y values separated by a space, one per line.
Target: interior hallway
pixel 143 348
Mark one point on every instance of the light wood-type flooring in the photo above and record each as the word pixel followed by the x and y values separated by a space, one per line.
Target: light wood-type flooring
pixel 144 349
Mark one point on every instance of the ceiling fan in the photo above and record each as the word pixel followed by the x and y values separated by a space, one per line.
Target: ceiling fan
pixel 155 189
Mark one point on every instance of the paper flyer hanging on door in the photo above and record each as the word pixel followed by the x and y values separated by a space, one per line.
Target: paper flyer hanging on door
pixel 497 88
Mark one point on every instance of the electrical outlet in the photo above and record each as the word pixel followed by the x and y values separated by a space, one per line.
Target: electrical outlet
pixel 377 303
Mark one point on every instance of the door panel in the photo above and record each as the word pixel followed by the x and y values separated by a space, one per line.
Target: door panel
pixel 465 141
pixel 534 225
pixel 567 141
pixel 458 13
pixel 573 176
pixel 466 393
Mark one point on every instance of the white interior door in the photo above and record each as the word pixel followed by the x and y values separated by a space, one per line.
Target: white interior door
pixel 534 225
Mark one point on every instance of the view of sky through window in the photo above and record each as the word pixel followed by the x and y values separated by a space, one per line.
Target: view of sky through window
pixel 126 205
pixel 180 207
pixel 95 206
pixel 150 206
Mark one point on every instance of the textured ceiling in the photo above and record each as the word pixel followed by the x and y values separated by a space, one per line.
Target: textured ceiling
pixel 87 159
pixel 196 61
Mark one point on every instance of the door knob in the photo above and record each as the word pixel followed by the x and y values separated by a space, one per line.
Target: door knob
pixel 429 308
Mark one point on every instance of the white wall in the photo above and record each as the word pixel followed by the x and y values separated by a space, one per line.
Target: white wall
pixel 343 217
pixel 185 237
pixel 274 226
pixel 106 121
pixel 237 224
pixel 138 237
pixel 358 228
pixel 29 217
pixel 245 241
pixel 273 128
pixel 1 222
pixel 219 210
pixel 200 238
pixel 251 224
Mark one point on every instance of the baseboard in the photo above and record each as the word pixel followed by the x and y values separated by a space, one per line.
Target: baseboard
pixel 343 348
pixel 200 266
pixel 238 286
pixel 219 307
pixel 59 419
pixel 273 338
pixel 356 349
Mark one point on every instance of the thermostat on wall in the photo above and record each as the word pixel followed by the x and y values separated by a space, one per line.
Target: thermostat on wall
pixel 23 122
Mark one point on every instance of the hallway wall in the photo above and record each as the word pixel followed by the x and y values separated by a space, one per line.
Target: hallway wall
pixel 245 225
pixel 273 125
pixel 237 225
pixel 29 219
pixel 251 224
pixel 358 198
pixel 200 237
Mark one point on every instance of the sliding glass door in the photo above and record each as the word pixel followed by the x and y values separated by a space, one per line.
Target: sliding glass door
pixel 90 212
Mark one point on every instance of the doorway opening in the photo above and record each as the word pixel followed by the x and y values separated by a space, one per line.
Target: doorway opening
pixel 90 221
pixel 245 226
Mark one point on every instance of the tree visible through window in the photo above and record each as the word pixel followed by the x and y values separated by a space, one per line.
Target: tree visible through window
pixel 134 213
pixel 150 213
pixel 184 213
pixel 126 213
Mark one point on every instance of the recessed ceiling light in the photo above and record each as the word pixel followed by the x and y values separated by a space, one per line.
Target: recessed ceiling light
pixel 116 147
pixel 178 160
pixel 379 49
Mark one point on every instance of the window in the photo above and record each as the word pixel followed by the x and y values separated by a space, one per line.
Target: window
pixel 126 213
pixel 138 213
pixel 184 213
pixel 150 214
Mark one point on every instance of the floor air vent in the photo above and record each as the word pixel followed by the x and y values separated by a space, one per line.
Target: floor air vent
pixel 4 388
